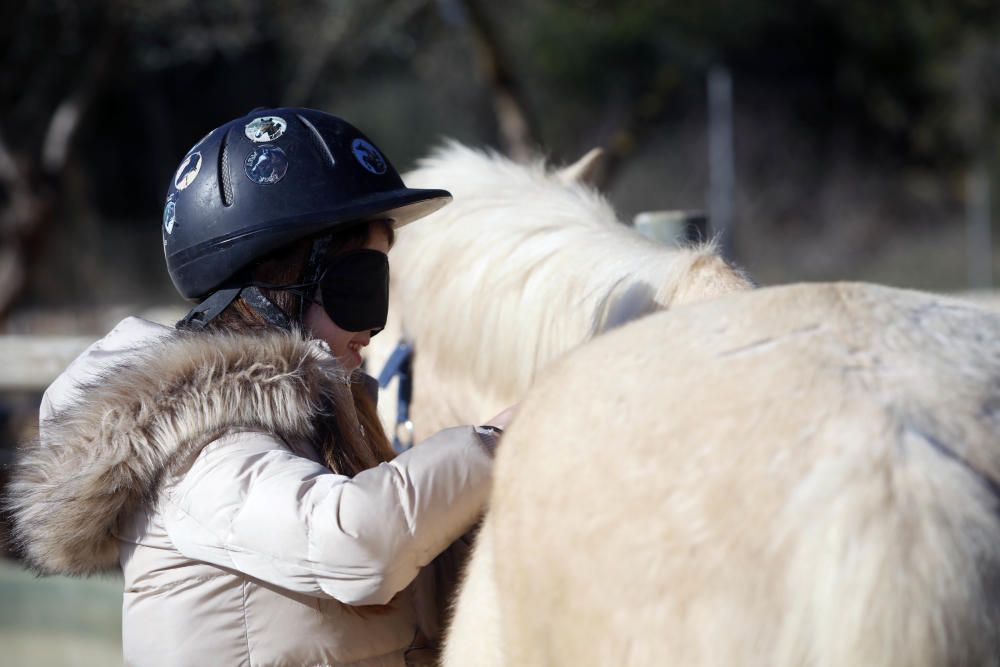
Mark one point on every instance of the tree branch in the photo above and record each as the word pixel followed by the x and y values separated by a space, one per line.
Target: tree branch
pixel 33 189
pixel 518 133
pixel 69 113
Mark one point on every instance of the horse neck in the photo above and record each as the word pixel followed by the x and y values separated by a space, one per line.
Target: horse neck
pixel 547 289
pixel 600 283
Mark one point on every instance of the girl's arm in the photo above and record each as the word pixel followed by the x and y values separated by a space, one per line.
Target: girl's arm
pixel 248 503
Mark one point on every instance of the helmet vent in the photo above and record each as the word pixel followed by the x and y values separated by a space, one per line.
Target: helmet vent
pixel 319 140
pixel 225 177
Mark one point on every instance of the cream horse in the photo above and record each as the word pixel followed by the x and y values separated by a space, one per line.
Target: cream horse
pixel 796 476
pixel 524 265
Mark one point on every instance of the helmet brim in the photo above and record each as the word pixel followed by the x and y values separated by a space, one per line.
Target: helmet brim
pixel 401 206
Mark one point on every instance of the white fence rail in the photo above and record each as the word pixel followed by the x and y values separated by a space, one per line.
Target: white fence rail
pixel 33 362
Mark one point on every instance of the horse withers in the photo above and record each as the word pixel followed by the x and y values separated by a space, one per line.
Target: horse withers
pixel 793 476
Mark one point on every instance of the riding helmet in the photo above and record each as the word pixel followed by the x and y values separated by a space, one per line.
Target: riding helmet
pixel 271 178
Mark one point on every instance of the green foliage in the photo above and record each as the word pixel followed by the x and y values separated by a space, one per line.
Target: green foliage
pixel 887 68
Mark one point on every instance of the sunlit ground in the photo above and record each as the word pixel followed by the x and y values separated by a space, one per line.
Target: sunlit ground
pixel 58 620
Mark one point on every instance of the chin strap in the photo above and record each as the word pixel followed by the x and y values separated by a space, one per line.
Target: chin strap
pixel 206 311
pixel 210 308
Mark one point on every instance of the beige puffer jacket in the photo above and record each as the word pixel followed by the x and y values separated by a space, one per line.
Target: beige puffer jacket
pixel 189 460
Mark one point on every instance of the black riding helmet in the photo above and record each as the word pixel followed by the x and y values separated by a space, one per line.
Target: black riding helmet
pixel 266 180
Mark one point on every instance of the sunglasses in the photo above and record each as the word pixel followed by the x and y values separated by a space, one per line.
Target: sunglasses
pixel 353 290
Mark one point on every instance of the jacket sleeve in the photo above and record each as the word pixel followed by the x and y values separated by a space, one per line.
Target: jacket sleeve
pixel 248 503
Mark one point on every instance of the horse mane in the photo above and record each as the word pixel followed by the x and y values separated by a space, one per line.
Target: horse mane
pixel 523 266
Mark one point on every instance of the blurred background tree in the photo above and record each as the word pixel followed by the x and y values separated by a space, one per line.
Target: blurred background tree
pixel 855 122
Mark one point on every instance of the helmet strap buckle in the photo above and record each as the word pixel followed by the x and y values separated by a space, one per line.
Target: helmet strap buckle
pixel 206 311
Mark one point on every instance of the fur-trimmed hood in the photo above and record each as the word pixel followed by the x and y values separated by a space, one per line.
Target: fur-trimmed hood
pixel 135 421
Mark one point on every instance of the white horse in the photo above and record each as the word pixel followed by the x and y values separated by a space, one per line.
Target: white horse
pixel 523 266
pixel 793 476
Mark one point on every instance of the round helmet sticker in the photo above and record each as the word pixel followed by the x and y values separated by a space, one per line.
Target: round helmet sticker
pixel 188 171
pixel 169 215
pixel 368 156
pixel 265 129
pixel 266 165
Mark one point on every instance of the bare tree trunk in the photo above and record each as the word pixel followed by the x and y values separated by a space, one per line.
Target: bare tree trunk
pixel 627 121
pixel 32 184
pixel 345 23
pixel 519 135
pixel 26 214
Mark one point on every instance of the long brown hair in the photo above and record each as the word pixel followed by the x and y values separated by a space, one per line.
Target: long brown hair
pixel 286 266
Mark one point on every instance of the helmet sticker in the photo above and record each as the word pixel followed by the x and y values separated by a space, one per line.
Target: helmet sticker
pixel 169 215
pixel 368 156
pixel 266 165
pixel 188 171
pixel 265 129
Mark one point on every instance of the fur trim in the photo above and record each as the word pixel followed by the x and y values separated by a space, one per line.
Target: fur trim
pixel 105 456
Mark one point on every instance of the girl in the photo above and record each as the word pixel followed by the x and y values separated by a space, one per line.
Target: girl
pixel 235 467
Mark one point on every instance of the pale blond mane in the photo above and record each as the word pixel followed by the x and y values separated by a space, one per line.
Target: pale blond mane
pixel 523 266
